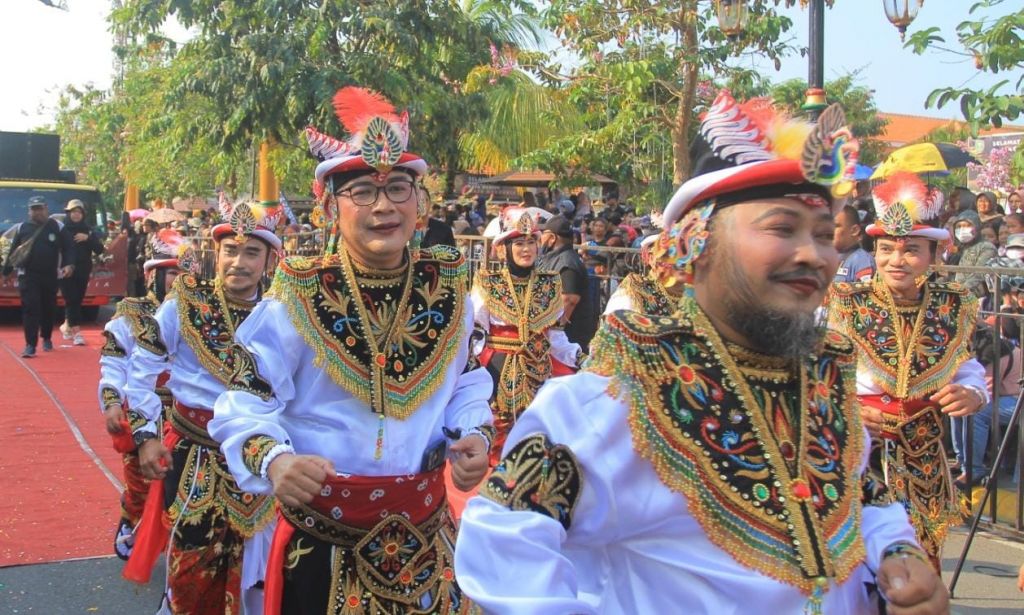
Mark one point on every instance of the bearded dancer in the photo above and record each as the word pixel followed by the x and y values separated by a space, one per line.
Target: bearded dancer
pixel 354 381
pixel 915 360
pixel 519 308
pixel 120 333
pixel 712 460
pixel 219 534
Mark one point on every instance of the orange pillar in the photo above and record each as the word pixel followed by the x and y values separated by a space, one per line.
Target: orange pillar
pixel 131 197
pixel 269 190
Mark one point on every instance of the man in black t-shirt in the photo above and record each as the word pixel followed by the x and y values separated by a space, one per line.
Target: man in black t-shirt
pixel 578 292
pixel 52 247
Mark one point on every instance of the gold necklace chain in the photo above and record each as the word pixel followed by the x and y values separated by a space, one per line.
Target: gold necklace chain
pixel 904 347
pixel 522 309
pixel 378 357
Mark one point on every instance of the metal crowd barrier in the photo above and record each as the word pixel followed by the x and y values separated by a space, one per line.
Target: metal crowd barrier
pixel 997 318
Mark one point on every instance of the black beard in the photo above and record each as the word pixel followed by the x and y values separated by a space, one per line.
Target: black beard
pixel 771 332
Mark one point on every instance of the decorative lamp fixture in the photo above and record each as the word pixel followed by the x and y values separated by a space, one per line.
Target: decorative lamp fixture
pixel 901 12
pixel 732 17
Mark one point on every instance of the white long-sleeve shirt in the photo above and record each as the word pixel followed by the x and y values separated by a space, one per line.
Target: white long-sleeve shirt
pixel 114 369
pixel 309 413
pixel 633 545
pixel 191 384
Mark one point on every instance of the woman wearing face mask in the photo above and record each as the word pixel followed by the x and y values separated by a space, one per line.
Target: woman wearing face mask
pixel 518 308
pixel 971 251
pixel 988 207
pixel 1015 202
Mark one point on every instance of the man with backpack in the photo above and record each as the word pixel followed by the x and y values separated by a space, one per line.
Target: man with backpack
pixel 40 247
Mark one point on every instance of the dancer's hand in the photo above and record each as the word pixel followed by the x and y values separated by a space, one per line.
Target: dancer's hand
pixel 1020 578
pixel 910 586
pixel 958 400
pixel 113 415
pixel 297 479
pixel 470 465
pixel 872 419
pixel 154 459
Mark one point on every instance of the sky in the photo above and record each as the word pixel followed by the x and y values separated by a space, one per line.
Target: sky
pixel 46 49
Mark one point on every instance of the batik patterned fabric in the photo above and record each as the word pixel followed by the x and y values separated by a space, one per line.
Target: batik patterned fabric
pixel 939 330
pixel 323 308
pixel 111 348
pixel 205 555
pixel 200 490
pixel 912 351
pixel 767 453
pixel 647 295
pixel 208 319
pixel 139 311
pixel 531 306
pixel 537 476
pixel 343 557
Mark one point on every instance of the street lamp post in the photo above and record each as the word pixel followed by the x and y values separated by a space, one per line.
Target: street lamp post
pixel 732 16
pixel 815 101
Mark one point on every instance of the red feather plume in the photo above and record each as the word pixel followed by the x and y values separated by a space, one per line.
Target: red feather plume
pixel 355 107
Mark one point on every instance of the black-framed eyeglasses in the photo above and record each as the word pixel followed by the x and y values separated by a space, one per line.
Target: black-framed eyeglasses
pixel 365 195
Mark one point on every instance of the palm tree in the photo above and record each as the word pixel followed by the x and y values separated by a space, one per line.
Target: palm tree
pixel 522 113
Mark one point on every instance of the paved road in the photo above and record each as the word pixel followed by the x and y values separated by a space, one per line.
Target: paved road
pixel 986 587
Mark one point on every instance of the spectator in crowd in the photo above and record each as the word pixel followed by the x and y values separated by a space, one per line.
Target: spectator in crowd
pixel 583 205
pixel 1015 202
pixel 529 199
pixel 1014 223
pixel 578 294
pixel 40 246
pixel 612 208
pixel 960 199
pixel 596 260
pixel 856 265
pixel 971 251
pixel 990 231
pixel 987 207
pixel 1002 236
pixel 438 233
pixel 1009 375
pixel 72 287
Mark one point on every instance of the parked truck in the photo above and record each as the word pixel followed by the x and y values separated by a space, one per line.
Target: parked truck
pixel 30 166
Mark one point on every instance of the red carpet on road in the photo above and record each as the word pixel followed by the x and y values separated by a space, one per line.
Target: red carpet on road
pixel 57 498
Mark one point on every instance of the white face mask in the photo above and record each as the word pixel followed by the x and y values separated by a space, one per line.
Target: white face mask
pixel 965 234
pixel 1015 253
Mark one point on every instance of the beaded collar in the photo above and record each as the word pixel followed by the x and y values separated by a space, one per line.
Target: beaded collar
pixel 917 351
pixel 413 363
pixel 533 304
pixel 134 310
pixel 781 496
pixel 208 319
pixel 647 295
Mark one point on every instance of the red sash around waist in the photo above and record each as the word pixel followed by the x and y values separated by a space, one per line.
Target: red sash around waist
pixel 350 506
pixel 895 412
pixel 361 502
pixel 192 423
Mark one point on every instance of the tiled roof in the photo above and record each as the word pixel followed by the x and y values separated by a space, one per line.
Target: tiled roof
pixel 903 129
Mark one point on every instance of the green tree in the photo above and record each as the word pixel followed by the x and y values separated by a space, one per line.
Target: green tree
pixel 996 45
pixel 858 102
pixel 634 83
pixel 266 69
pixel 90 123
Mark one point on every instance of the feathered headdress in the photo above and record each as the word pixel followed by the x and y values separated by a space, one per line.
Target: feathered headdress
pixel 904 206
pixel 754 146
pixel 166 245
pixel 248 219
pixel 515 222
pixel 378 137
